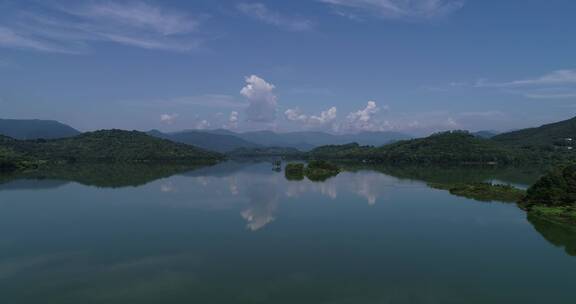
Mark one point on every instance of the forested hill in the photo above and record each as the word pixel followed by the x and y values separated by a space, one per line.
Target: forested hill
pixel 35 129
pixel 106 146
pixel 446 147
pixel 554 134
pixel 453 146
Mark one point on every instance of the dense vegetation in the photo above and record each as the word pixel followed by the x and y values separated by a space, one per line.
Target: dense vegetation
pixel 294 171
pixel 316 170
pixel 108 146
pixel 351 151
pixel 554 196
pixel 555 135
pixel 557 188
pixel 8 159
pixel 453 147
pixel 485 192
pixel 11 160
pixel 319 170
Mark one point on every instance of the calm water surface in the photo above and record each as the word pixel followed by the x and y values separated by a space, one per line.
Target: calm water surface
pixel 243 233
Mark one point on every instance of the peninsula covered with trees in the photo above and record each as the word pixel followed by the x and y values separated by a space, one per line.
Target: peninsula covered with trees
pixel 553 197
pixel 451 147
pixel 106 146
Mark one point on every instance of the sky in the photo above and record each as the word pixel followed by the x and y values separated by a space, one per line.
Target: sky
pixel 340 66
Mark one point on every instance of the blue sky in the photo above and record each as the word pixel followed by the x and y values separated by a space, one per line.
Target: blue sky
pixel 343 66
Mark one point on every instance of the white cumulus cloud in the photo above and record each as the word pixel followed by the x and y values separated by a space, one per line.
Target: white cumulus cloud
pixel 262 101
pixel 324 118
pixel 202 125
pixel 364 120
pixel 168 118
pixel 232 120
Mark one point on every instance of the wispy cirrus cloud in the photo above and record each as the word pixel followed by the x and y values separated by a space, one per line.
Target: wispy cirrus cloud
pixel 396 9
pixel 559 77
pixel 16 39
pixel 139 15
pixel 72 29
pixel 559 84
pixel 261 12
pixel 554 85
pixel 232 121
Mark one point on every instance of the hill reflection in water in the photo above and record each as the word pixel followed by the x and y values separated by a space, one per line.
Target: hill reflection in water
pixel 243 233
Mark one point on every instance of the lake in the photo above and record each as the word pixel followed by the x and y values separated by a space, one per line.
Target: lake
pixel 243 233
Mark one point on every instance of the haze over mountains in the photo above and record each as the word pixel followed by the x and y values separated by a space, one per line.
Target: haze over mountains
pixel 225 141
pixel 215 140
pixel 35 128
pixel 210 141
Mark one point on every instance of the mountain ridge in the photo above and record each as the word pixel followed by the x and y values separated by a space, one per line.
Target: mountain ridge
pixel 25 129
pixel 556 133
pixel 111 146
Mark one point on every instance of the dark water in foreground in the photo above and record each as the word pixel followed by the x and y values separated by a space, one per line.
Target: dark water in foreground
pixel 242 233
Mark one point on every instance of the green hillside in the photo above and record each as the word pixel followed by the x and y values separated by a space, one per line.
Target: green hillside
pixel 553 197
pixel 107 146
pixel 554 134
pixel 347 151
pixel 453 146
pixel 447 147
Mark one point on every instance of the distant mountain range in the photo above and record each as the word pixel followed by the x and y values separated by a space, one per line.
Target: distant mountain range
pixel 34 129
pixel 224 141
pixel 206 140
pixel 309 140
pixel 561 133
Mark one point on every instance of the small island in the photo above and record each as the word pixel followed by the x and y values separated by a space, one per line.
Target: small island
pixel 294 171
pixel 316 170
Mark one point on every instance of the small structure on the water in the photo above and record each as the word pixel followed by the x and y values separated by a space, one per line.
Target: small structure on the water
pixel 277 165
